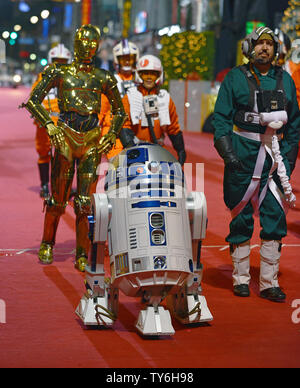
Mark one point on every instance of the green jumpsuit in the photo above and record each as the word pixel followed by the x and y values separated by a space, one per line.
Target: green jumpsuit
pixel 234 94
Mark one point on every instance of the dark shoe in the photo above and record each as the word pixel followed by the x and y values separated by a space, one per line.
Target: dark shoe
pixel 73 193
pixel 241 290
pixel 44 192
pixel 274 294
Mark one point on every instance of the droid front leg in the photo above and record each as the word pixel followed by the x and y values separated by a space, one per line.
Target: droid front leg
pixel 188 305
pixel 99 305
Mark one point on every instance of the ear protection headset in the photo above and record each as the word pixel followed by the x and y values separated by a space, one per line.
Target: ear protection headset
pixel 284 40
pixel 249 41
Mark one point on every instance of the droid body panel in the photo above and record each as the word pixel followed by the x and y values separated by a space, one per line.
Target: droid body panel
pixel 145 192
pixel 153 228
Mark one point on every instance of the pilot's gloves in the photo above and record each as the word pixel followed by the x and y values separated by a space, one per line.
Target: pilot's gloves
pixel 127 137
pixel 224 147
pixel 178 145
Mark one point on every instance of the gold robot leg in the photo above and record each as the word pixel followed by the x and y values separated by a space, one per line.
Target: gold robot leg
pixel 86 186
pixel 62 173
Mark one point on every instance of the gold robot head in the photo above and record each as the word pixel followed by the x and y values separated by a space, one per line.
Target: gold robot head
pixel 86 43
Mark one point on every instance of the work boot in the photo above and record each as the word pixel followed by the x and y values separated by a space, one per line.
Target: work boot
pixel 275 294
pixel 46 253
pixel 241 290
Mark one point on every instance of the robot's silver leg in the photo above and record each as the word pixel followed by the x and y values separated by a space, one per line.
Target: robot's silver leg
pixel 189 305
pixel 98 306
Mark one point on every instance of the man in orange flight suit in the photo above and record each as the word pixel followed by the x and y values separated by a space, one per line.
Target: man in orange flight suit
pixel 151 110
pixel 126 55
pixel 58 54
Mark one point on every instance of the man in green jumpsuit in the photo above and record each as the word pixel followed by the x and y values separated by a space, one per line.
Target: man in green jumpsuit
pixel 257 122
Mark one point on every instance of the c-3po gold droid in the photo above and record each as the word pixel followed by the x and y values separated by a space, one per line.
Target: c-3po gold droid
pixel 77 136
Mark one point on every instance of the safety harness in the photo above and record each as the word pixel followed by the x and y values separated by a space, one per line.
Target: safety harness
pixel 266 128
pixel 249 114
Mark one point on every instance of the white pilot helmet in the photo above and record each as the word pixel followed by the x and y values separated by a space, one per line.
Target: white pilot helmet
pixel 249 42
pixel 150 62
pixel 60 51
pixel 125 47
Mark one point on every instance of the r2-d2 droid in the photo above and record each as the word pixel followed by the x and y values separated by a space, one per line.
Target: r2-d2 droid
pixel 154 233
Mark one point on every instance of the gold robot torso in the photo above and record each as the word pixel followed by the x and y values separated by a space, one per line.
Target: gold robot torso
pixel 80 88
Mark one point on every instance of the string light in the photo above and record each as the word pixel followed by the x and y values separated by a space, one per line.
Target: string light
pixel 290 23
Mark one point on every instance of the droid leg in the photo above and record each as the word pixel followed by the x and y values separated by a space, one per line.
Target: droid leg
pixel 82 210
pixel 189 305
pixel 155 320
pixel 99 305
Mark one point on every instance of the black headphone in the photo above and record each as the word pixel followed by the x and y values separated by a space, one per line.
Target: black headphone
pixel 248 42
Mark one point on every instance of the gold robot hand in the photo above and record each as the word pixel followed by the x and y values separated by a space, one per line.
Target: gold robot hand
pixel 107 142
pixel 56 135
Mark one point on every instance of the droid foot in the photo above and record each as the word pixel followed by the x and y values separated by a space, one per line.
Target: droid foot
pixel 46 253
pixel 81 263
pixel 155 321
pixel 99 310
pixel 189 308
pixel 94 312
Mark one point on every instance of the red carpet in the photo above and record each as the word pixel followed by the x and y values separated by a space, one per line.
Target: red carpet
pixel 41 328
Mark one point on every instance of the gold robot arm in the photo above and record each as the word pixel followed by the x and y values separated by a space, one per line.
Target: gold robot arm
pixel 34 104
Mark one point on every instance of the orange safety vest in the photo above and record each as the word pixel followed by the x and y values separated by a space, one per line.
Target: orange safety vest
pixel 143 133
pixel 296 78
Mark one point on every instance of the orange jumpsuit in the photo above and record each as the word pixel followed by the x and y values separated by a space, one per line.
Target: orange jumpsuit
pixel 296 78
pixel 42 140
pixel 105 119
pixel 143 133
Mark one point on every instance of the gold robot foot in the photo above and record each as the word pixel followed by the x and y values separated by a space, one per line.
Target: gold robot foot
pixel 46 253
pixel 80 263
